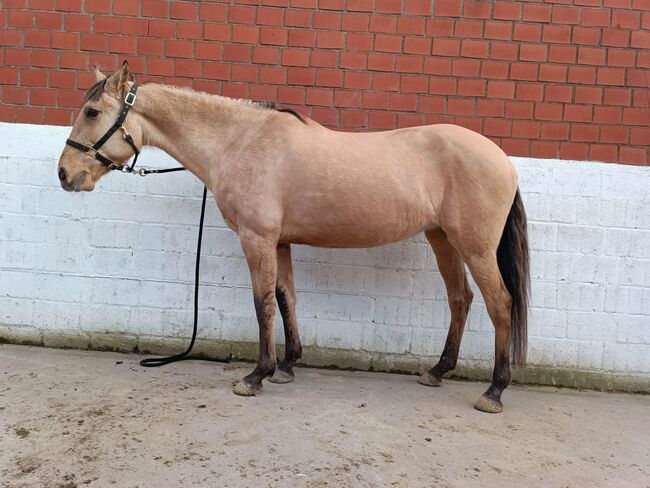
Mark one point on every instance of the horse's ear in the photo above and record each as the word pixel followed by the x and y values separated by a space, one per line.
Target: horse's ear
pixel 99 76
pixel 119 81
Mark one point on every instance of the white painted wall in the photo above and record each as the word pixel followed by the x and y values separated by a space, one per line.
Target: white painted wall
pixel 122 259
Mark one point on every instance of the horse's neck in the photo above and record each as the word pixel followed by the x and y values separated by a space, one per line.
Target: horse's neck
pixel 192 128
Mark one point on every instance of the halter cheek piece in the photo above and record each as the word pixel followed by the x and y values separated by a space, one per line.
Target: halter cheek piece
pixel 93 151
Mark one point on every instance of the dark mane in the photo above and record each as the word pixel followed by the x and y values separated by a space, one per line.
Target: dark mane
pixel 95 92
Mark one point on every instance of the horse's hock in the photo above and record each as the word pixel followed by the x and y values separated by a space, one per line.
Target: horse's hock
pixel 86 273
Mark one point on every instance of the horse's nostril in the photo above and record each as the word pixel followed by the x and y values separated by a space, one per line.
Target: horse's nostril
pixel 62 175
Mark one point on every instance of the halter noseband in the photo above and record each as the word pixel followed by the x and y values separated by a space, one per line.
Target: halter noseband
pixel 93 151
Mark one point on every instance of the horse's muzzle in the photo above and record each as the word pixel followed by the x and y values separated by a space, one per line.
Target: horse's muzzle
pixel 76 184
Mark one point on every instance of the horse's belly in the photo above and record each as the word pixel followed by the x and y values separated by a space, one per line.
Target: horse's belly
pixel 357 227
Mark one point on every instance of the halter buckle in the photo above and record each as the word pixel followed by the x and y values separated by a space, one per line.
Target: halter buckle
pixel 92 152
pixel 129 99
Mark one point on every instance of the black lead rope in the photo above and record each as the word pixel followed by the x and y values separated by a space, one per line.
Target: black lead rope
pixel 184 356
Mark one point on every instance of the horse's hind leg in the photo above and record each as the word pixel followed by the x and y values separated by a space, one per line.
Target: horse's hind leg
pixel 486 274
pixel 460 297
pixel 286 297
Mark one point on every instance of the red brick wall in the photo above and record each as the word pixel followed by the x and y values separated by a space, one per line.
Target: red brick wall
pixel 559 79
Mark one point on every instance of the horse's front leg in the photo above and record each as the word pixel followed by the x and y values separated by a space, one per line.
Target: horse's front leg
pixel 260 254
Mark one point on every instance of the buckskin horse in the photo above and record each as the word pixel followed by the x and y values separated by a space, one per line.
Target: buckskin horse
pixel 280 178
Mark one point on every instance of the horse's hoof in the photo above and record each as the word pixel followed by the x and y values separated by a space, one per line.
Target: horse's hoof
pixel 242 388
pixel 428 379
pixel 488 405
pixel 281 377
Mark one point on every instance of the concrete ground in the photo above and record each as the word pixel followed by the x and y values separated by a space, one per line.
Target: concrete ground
pixel 81 418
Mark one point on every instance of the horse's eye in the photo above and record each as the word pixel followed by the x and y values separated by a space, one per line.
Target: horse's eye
pixel 91 113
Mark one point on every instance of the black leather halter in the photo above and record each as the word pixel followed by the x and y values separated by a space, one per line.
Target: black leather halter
pixel 93 151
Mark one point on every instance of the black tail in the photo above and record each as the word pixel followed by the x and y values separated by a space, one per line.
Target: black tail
pixel 512 256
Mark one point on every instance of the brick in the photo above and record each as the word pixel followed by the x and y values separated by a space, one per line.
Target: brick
pixel 563 54
pixel 319 96
pixel 537 13
pixel 558 34
pixel 328 20
pixel 409 64
pixel 530 91
pixel 299 18
pixel 468 28
pixel 126 7
pixel 465 67
pixel 611 76
pixel 245 34
pixel 354 118
pixel 526 128
pixel 584 133
pixel 383 23
pixel 155 8
pixel 19 18
pixel 410 25
pixel 496 127
pixel 388 6
pixel 582 74
pixel 608 115
pixel 76 23
pixel 460 106
pixel 590 55
pixel 217 32
pixel 29 115
pixel 474 49
pixel 492 69
pixel 349 99
pixel 38 39
pixel 587 36
pixel 179 49
pixel 640 40
pixel 434 105
pixel 31 77
pixel 331 40
pixel 149 46
pixel 519 110
pixel 625 20
pixel 78 61
pixel 507 11
pixel 98 7
pixel 573 151
pixel 292 95
pixel 578 113
pixel 639 135
pixel 558 93
pixel 619 57
pixel 498 30
pixel 504 51
pixel 548 111
pixel 618 96
pixel 69 5
pixel 588 94
pixel 437 66
pixel 238 53
pixel 633 155
pixel 376 100
pixel 416 45
pixel 48 20
pixel 471 88
pixel 302 38
pixel 381 120
pixel 477 9
pixel 490 108
pixel 447 8
pixel 596 17
pixel 384 43
pixel 360 5
pixel 216 71
pixel 501 89
pixel 445 47
pixel 636 116
pixel 615 38
pixel 301 76
pixel 414 84
pixel 532 52
pixel 322 4
pixel 555 131
pixel 524 71
pixel 324 59
pixel 385 82
pixel 442 86
pixel 565 15
pixel 418 7
pixel 603 152
pixel 527 32
pixel 164 67
pixel 614 134
pixel 274 75
pixel 402 102
pixel 440 27
pixel 515 147
pixel 15 95
pixel 539 149
pixel 355 22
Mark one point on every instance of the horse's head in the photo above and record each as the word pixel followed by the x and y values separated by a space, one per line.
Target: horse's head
pixel 103 103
